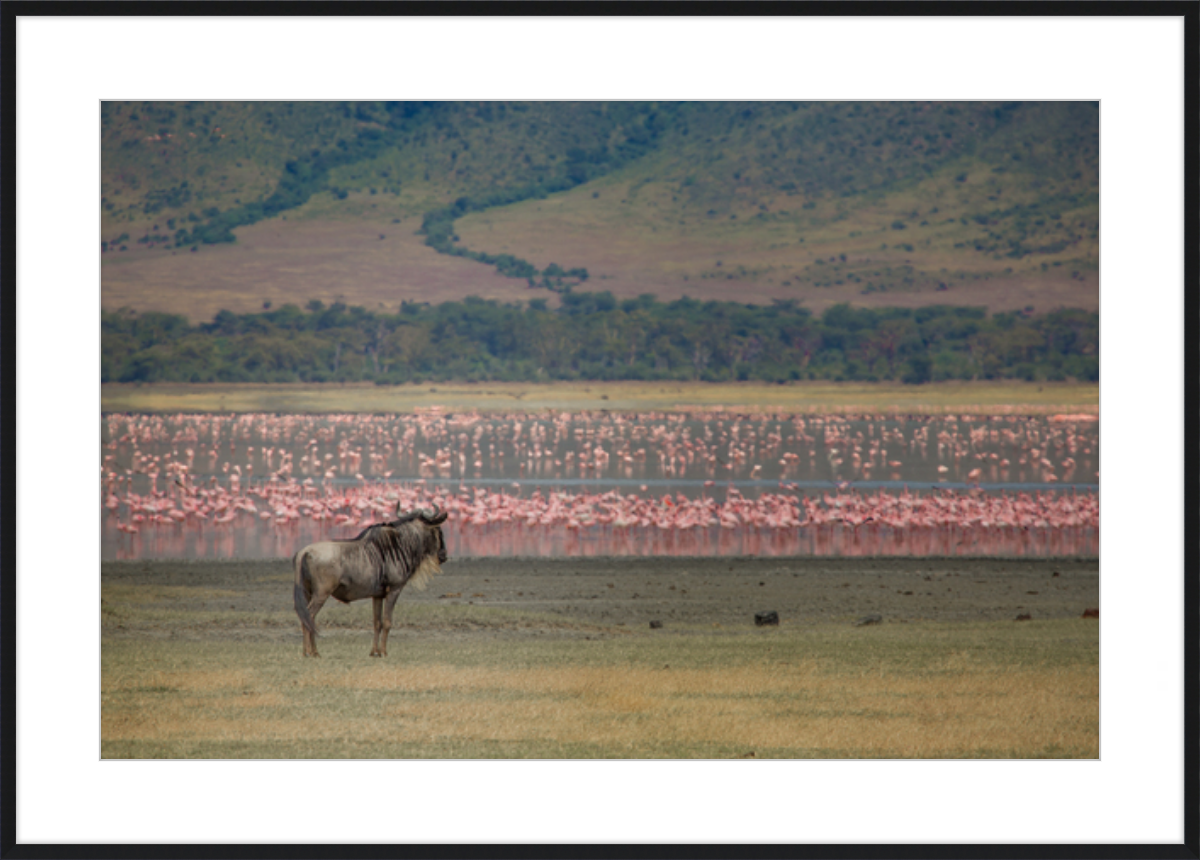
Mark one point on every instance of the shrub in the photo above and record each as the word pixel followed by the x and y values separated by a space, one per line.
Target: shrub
pixel 920 370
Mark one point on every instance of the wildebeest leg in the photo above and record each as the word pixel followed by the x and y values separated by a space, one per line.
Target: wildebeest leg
pixel 310 640
pixel 305 594
pixel 378 608
pixel 387 619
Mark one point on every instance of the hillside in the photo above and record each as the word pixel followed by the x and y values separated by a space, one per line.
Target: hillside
pixel 241 205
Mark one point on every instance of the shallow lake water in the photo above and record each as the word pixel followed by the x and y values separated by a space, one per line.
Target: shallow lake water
pixel 172 483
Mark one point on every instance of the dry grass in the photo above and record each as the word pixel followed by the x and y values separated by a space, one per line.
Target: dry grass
pixel 338 259
pixel 923 690
pixel 813 397
pixel 295 261
pixel 146 594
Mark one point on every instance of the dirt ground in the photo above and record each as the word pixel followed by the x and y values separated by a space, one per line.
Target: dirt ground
pixel 577 597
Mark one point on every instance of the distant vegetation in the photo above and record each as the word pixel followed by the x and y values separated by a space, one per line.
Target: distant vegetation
pixel 1025 176
pixel 368 138
pixel 593 336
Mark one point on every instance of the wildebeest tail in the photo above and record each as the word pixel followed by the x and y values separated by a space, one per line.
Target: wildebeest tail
pixel 300 563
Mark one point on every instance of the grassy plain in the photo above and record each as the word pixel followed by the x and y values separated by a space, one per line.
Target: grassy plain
pixel 983 690
pixel 555 659
pixel 1007 397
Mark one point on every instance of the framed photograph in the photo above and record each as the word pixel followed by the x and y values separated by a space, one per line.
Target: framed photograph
pixel 527 425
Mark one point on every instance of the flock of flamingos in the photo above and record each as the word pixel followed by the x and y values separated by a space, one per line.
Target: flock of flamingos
pixel 558 483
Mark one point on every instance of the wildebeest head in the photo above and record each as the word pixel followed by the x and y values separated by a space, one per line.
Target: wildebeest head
pixel 435 543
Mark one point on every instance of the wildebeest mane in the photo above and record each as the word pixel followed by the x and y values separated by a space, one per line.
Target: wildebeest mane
pixel 433 519
pixel 389 542
pixel 407 518
pixel 390 545
pixel 374 527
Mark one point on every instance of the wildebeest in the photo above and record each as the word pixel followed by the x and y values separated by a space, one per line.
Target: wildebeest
pixel 378 563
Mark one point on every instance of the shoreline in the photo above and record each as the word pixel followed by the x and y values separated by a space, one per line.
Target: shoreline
pixel 975 398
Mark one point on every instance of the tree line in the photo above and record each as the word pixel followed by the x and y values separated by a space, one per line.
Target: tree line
pixel 594 336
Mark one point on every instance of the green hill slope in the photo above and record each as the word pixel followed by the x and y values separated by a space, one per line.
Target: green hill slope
pixel 240 205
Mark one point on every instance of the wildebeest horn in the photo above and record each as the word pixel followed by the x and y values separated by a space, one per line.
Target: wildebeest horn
pixel 404 518
pixel 436 517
